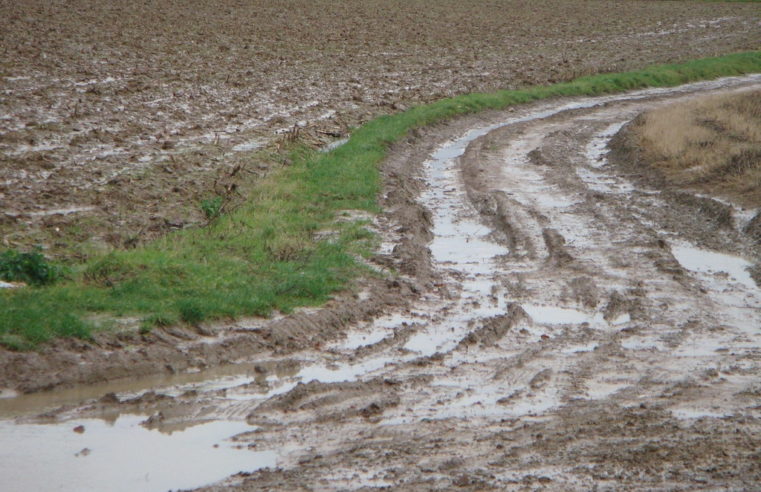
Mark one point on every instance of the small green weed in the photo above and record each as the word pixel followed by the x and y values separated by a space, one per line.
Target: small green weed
pixel 212 207
pixel 31 268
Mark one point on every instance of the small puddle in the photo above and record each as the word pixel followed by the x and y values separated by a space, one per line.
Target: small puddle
pixel 378 330
pixel 341 372
pixel 552 315
pixel 694 413
pixel 62 211
pixel 121 456
pixel 728 280
pixel 356 340
pixel 601 389
pixel 643 343
pixel 598 145
pixel 333 145
pixel 248 146
pixel 578 349
pixel 711 263
pixel 604 183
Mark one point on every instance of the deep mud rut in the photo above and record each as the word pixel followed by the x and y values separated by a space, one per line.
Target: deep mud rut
pixel 575 328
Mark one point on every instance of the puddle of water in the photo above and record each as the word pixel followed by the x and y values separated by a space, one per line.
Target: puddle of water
pixel 248 146
pixel 379 329
pixel 528 185
pixel 694 413
pixel 460 243
pixel 600 389
pixel 12 404
pixel 552 315
pixel 729 282
pixel 463 250
pixel 576 349
pixel 598 145
pixel 711 344
pixel 643 343
pixel 443 336
pixel 551 199
pixel 342 372
pixel 430 341
pixel 709 262
pixel 361 339
pixel 334 144
pixel 122 456
pixel 603 183
pixel 62 211
pixel 482 404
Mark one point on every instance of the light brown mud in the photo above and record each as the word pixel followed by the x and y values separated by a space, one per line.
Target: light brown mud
pixel 567 327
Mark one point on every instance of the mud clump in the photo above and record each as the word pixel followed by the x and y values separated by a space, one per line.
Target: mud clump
pixel 715 213
pixel 620 304
pixel 704 220
pixel 555 242
pixel 328 401
pixel 584 291
pixel 495 328
pixel 753 229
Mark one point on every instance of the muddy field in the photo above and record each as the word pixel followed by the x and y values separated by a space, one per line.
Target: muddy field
pixel 560 323
pixel 116 119
pixel 559 320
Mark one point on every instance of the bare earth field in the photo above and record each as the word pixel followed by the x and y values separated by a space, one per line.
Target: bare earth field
pixel 117 118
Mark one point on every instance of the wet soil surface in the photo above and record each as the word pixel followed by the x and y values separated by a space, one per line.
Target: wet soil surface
pixel 565 326
pixel 116 119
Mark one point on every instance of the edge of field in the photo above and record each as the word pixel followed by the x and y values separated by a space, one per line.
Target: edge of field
pixel 294 242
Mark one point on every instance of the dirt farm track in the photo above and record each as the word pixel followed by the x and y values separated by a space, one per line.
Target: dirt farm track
pixel 556 319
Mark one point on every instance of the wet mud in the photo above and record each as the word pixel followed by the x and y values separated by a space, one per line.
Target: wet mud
pixel 555 323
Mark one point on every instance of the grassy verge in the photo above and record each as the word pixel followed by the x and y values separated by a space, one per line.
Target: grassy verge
pixel 711 144
pixel 265 255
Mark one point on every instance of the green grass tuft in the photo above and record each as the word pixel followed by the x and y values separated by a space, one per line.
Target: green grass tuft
pixel 31 268
pixel 265 255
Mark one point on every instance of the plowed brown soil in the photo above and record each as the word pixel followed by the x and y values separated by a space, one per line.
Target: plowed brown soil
pixel 119 117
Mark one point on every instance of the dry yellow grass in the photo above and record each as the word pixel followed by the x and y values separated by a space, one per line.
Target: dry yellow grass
pixel 712 144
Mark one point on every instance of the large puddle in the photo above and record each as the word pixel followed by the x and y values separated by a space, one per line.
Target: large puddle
pixel 733 269
pixel 221 377
pixel 120 456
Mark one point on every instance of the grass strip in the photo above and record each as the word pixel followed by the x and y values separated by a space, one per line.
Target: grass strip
pixel 266 255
